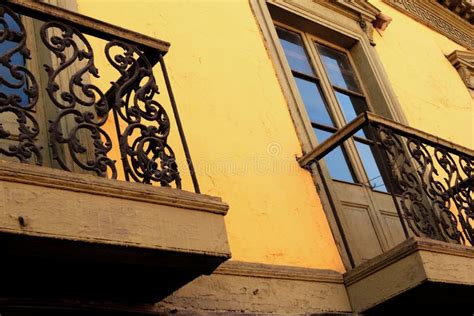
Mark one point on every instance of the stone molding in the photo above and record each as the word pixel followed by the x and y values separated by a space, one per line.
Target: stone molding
pixel 252 288
pixel 367 15
pixel 55 178
pixel 258 270
pixel 354 9
pixel 462 8
pixel 463 61
pixel 439 18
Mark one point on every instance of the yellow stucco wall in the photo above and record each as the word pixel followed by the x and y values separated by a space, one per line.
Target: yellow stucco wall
pixel 238 126
pixel 430 91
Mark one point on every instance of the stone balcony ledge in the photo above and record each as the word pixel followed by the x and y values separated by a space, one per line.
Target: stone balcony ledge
pixel 114 234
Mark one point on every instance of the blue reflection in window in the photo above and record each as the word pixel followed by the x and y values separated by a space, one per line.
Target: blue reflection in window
pixel 351 106
pixel 16 60
pixel 338 68
pixel 312 98
pixel 371 167
pixel 294 51
pixel 335 160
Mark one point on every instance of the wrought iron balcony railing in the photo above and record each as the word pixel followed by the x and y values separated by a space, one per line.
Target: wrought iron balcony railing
pixel 431 180
pixel 78 111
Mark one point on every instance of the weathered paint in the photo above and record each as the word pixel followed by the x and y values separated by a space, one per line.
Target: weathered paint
pixel 431 92
pixel 236 119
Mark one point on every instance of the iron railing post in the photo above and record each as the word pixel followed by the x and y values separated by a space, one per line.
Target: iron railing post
pixel 180 126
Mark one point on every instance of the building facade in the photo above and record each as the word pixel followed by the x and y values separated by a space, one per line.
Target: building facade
pixel 236 156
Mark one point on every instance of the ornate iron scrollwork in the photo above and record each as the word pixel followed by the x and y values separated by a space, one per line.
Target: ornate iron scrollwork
pixel 436 187
pixel 21 95
pixel 459 170
pixel 78 110
pixel 146 156
pixel 80 104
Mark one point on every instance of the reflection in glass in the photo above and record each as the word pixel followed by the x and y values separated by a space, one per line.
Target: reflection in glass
pixel 341 75
pixel 371 168
pixel 312 98
pixel 294 51
pixel 335 160
pixel 17 86
pixel 338 68
pixel 351 106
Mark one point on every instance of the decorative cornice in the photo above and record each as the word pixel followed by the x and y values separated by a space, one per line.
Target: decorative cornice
pixel 55 178
pixel 353 8
pixel 463 8
pixel 439 18
pixel 463 61
pixel 367 15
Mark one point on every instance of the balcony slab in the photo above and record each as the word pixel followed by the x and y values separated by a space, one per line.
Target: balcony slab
pixel 418 272
pixel 117 239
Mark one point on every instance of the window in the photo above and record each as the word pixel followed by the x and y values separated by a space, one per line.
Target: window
pixel 313 62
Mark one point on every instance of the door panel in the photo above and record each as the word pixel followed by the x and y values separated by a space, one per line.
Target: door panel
pixel 361 233
pixel 383 202
pixel 394 228
pixel 370 220
pixel 366 244
pixel 365 228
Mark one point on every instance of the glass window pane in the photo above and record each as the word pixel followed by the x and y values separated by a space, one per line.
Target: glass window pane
pixel 351 106
pixel 312 98
pixel 12 25
pixel 371 168
pixel 15 86
pixel 336 161
pixel 294 51
pixel 338 68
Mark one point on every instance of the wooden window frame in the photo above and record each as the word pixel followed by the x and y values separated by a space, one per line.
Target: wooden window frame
pixel 348 32
pixel 329 95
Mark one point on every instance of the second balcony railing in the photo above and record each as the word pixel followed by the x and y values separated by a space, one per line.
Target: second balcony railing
pixel 431 180
pixel 61 103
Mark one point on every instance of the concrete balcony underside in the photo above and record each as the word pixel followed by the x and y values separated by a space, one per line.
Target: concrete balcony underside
pixel 420 273
pixel 76 236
